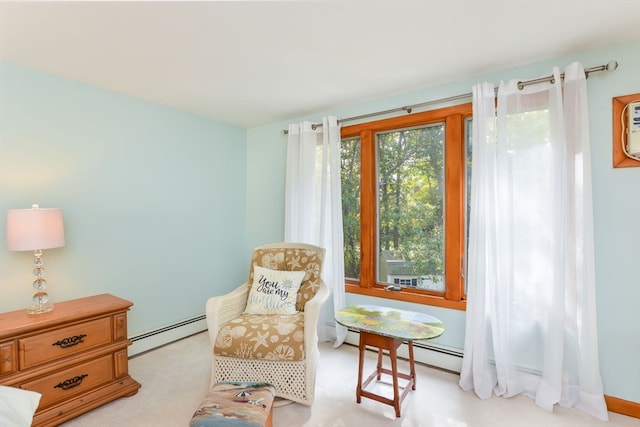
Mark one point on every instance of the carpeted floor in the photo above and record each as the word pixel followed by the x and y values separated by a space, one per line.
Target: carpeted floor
pixel 175 377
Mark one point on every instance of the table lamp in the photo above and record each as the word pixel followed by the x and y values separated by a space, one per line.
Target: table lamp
pixel 35 229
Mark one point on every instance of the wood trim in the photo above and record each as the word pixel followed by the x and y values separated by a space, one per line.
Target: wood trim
pixel 406 296
pixel 620 160
pixel 454 206
pixel 454 119
pixel 368 205
pixel 621 406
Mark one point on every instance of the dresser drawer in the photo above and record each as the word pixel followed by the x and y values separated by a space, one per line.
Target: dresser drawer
pixel 64 342
pixel 70 382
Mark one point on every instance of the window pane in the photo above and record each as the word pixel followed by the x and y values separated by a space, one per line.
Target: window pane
pixel 350 159
pixel 411 207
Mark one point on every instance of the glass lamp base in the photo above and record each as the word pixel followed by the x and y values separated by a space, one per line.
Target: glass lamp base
pixel 40 308
pixel 40 299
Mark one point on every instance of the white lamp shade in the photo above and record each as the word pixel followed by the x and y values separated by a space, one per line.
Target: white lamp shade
pixel 33 229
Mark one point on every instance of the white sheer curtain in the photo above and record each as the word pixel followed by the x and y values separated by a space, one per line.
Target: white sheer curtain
pixel 313 208
pixel 531 318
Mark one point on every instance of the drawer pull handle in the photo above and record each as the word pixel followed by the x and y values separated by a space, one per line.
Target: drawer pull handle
pixel 71 382
pixel 70 341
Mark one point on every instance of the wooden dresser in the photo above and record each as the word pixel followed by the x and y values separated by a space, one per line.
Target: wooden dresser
pixel 75 355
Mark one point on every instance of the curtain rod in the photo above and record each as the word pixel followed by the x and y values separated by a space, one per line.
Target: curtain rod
pixel 610 66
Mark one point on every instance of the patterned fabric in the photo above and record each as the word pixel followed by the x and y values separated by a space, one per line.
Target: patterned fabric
pixel 235 404
pixel 293 260
pixel 273 291
pixel 255 336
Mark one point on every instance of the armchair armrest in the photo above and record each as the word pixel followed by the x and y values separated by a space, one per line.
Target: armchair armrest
pixel 311 316
pixel 220 309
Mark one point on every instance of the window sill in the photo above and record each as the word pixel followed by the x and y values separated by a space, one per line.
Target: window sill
pixel 405 296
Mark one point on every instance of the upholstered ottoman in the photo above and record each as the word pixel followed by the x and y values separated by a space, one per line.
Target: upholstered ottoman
pixel 236 404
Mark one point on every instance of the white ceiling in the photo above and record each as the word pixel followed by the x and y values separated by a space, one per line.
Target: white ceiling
pixel 250 63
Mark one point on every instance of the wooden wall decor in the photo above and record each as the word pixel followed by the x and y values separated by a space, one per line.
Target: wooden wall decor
pixel 620 160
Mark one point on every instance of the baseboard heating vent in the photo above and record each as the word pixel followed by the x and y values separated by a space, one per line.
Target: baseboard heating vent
pixel 158 337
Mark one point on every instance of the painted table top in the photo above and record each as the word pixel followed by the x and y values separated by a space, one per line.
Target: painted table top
pixel 390 322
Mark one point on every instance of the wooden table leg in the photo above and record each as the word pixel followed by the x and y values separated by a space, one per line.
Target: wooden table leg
pixel 412 368
pixel 361 348
pixel 393 355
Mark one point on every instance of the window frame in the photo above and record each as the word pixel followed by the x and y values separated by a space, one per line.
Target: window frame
pixel 454 118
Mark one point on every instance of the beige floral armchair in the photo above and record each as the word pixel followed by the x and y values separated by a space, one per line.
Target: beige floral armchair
pixel 281 349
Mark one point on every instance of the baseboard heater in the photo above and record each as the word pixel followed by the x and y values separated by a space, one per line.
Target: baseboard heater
pixel 436 355
pixel 167 334
pixel 439 356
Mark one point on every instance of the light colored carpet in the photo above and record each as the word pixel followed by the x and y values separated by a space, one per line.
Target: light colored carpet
pixel 175 377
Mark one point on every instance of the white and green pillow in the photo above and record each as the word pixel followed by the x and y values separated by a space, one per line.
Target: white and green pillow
pixel 273 291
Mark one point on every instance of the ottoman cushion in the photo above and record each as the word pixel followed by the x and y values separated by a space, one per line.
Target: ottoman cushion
pixel 235 404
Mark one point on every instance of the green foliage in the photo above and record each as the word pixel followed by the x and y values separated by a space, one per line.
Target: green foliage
pixel 350 166
pixel 410 199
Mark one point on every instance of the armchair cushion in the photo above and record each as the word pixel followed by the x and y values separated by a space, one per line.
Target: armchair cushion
pixel 273 291
pixel 292 258
pixel 254 336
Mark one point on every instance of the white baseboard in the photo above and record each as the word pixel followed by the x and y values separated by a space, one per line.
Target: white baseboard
pixel 425 352
pixel 167 334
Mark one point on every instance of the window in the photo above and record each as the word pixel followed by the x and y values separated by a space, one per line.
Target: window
pixel 404 195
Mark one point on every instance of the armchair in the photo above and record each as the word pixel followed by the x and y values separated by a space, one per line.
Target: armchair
pixel 280 349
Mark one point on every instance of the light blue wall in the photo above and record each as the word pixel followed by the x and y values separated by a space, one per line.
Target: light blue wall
pixel 616 205
pixel 157 201
pixel 153 198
